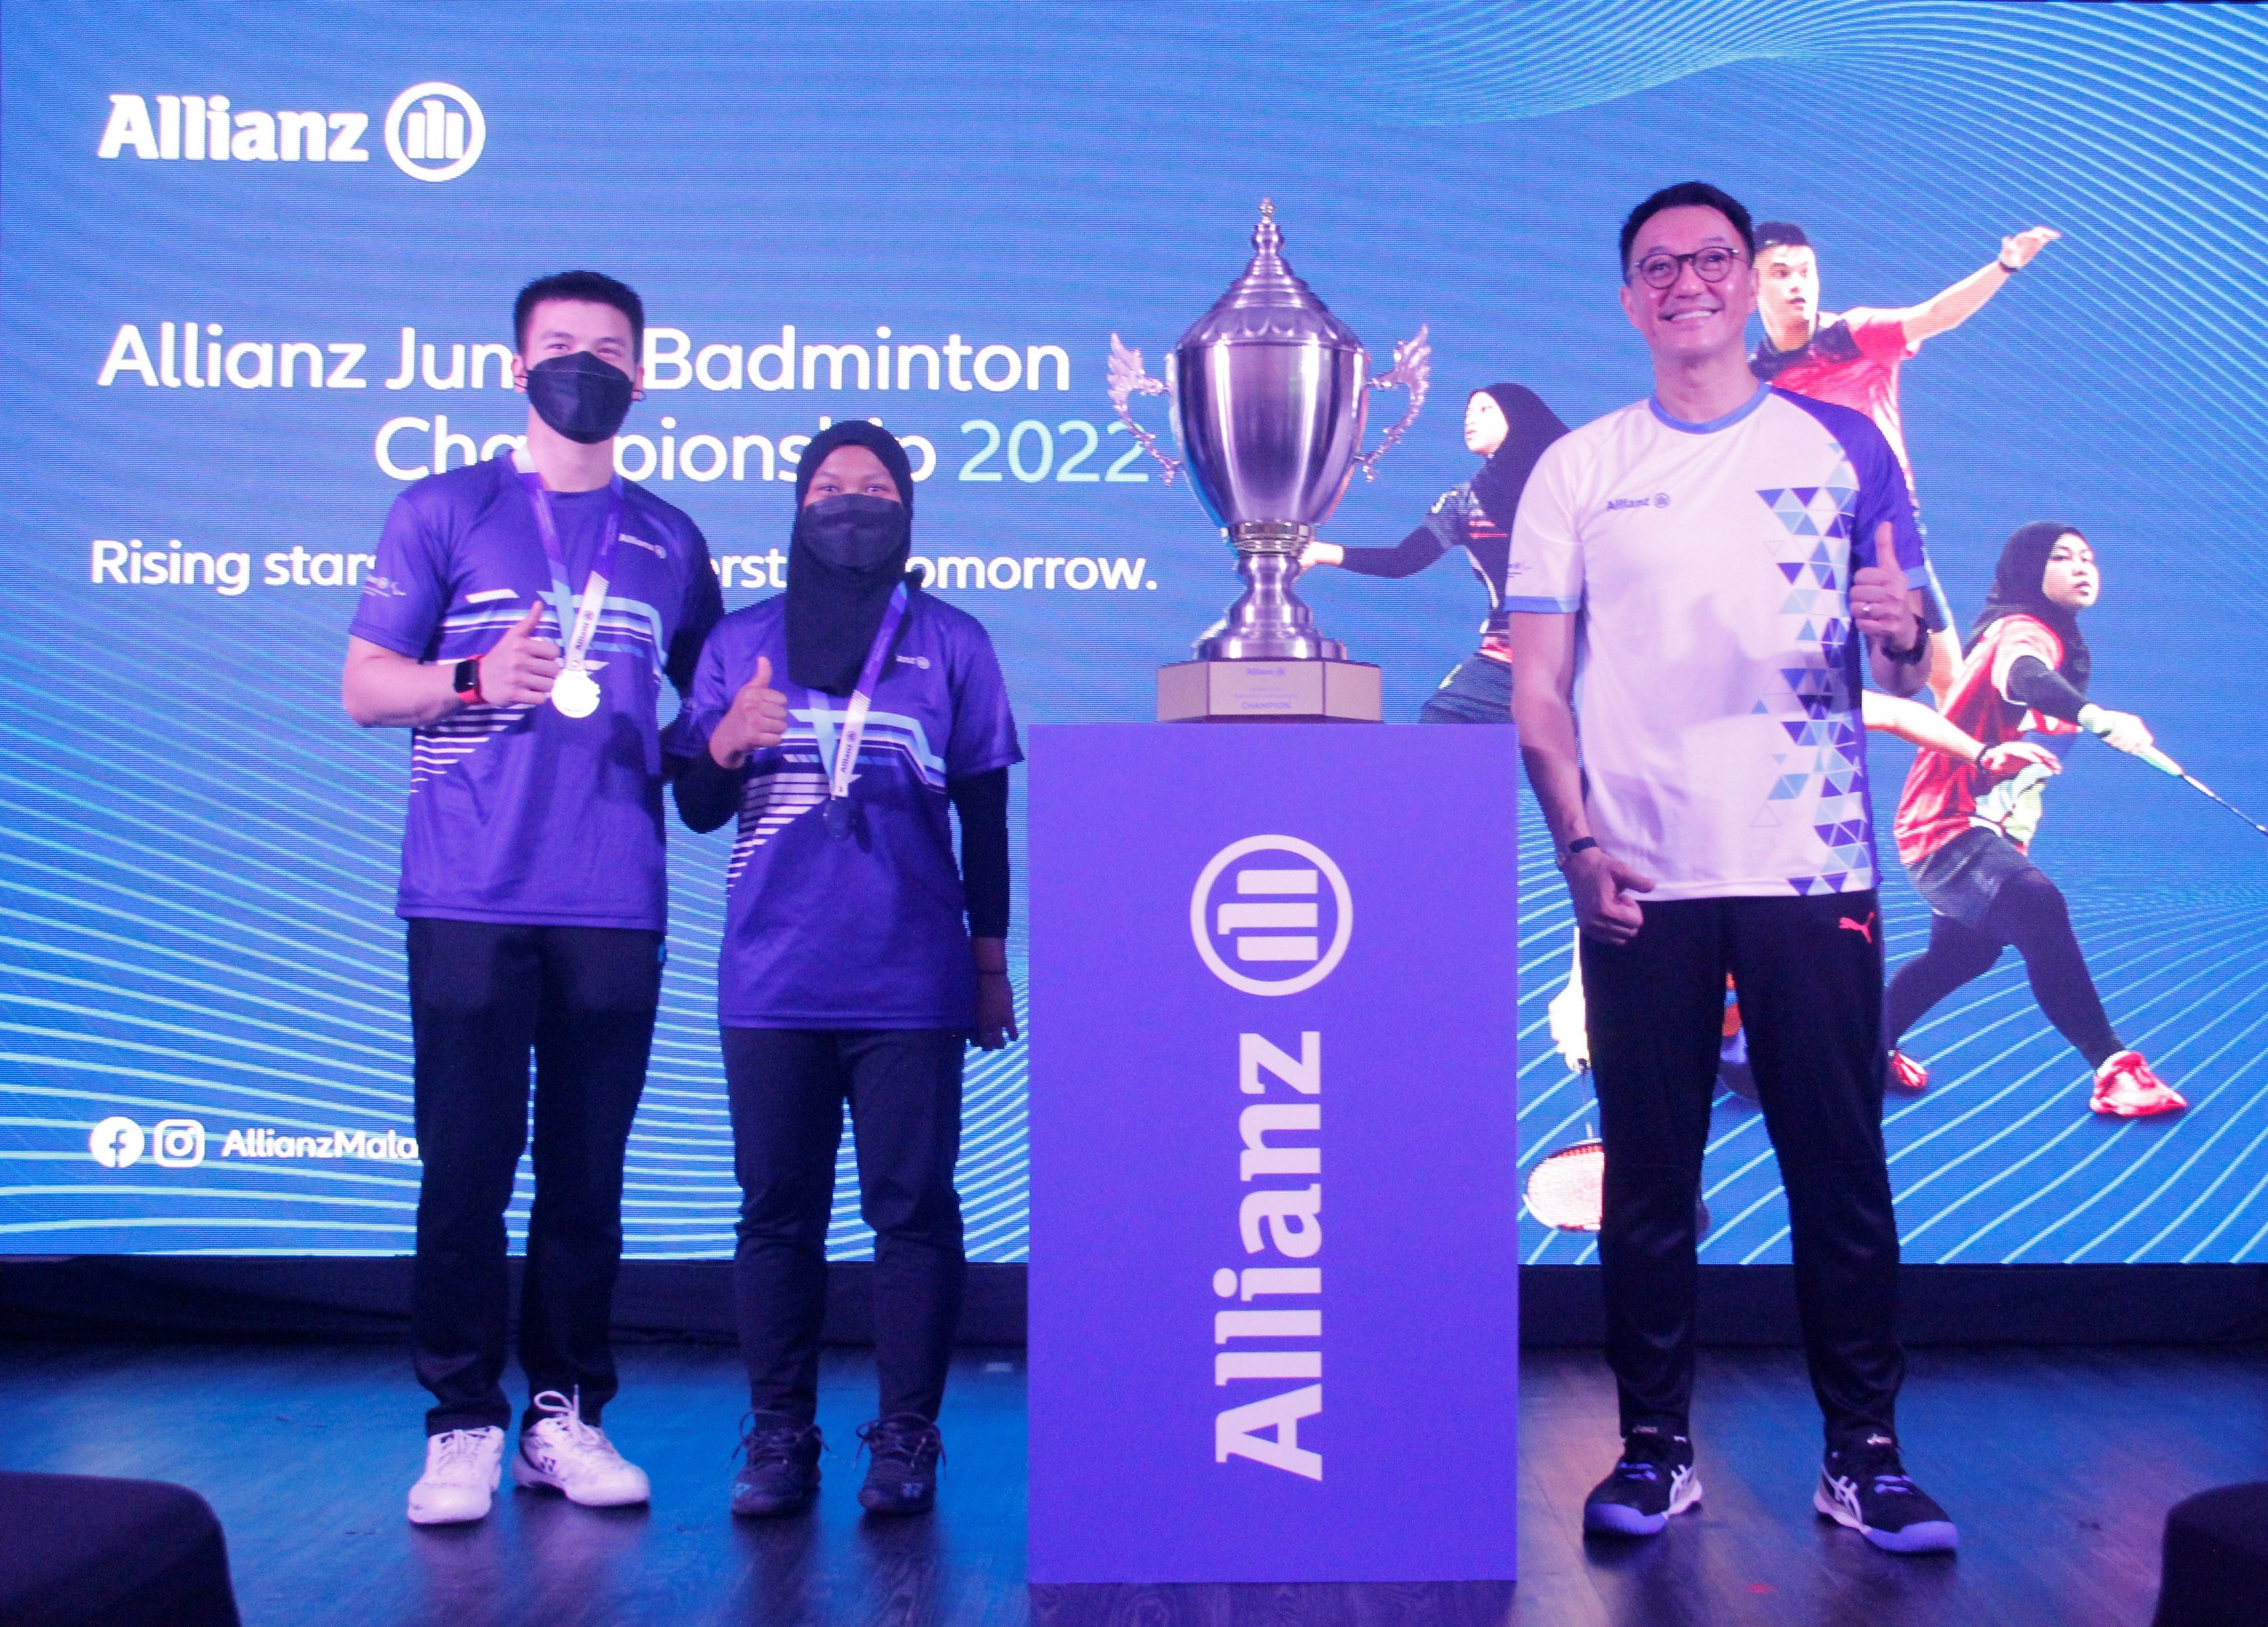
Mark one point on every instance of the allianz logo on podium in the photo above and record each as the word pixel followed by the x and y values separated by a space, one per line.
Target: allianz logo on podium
pixel 1273 914
pixel 433 131
pixel 120 1143
pixel 1280 908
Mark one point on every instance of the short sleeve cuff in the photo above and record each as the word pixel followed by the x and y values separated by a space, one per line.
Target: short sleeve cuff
pixel 1005 759
pixel 1544 607
pixel 386 638
pixel 1881 337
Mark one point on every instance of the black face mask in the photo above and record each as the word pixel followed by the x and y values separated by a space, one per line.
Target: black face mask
pixel 853 533
pixel 582 397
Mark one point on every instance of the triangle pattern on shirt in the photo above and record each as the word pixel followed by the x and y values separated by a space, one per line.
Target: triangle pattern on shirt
pixel 1824 776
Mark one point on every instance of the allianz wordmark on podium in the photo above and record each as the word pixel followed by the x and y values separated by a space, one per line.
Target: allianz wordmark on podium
pixel 1280 908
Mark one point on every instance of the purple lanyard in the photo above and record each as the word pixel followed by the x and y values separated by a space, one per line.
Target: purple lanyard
pixel 578 623
pixel 838 816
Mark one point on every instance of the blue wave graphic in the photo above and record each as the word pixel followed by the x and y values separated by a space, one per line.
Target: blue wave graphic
pixel 197 875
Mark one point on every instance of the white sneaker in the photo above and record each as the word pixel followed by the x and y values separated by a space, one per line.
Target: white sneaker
pixel 561 1451
pixel 461 1470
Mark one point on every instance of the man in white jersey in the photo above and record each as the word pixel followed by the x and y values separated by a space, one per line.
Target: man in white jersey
pixel 1696 582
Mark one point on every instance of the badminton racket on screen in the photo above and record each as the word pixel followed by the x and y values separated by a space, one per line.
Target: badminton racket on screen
pixel 2164 764
pixel 1568 1189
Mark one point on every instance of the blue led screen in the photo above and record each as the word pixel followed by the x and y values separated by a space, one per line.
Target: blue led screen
pixel 197 850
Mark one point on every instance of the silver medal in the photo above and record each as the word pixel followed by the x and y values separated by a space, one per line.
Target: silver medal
pixel 576 693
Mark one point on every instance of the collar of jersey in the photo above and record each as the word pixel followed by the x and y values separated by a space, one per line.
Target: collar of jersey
pixel 1685 426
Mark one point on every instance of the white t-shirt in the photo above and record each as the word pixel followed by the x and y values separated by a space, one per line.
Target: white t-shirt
pixel 1716 675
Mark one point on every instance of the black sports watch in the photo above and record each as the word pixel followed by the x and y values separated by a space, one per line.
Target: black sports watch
pixel 467 680
pixel 1579 844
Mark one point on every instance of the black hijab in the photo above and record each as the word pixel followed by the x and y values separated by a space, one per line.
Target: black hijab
pixel 834 611
pixel 1531 427
pixel 2019 588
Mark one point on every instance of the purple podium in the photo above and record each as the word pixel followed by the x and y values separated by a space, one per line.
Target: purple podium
pixel 1274 1276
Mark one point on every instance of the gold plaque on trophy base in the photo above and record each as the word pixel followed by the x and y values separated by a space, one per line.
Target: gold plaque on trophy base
pixel 1259 691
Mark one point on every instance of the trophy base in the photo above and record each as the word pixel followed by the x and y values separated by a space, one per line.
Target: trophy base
pixel 1259 691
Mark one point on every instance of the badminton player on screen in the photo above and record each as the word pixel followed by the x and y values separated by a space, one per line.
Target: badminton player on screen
pixel 1508 426
pixel 1964 835
pixel 1851 357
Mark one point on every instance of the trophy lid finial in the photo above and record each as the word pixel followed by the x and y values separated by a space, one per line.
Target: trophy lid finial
pixel 1269 302
pixel 1268 237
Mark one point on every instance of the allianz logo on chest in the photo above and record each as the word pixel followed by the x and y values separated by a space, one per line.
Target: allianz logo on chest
pixel 433 131
pixel 1659 499
pixel 1273 914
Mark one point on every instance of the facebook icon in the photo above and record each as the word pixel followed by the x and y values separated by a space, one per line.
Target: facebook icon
pixel 115 1143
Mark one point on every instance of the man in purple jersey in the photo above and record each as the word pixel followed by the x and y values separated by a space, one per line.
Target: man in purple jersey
pixel 520 622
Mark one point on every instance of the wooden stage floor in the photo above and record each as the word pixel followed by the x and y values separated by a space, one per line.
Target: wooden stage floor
pixel 2059 1464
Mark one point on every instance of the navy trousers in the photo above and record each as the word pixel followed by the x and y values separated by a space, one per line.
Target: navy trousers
pixel 484 997
pixel 1810 976
pixel 788 1090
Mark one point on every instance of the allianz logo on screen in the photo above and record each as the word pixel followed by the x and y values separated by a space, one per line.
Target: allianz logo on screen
pixel 433 131
pixel 120 1143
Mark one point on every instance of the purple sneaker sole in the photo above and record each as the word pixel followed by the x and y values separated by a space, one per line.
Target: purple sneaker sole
pixel 1924 1537
pixel 1621 1519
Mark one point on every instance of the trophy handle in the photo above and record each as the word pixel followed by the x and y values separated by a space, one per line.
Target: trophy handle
pixel 1127 380
pixel 1413 371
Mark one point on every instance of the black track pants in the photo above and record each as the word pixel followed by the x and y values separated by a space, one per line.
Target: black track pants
pixel 1810 976
pixel 483 997
pixel 788 1086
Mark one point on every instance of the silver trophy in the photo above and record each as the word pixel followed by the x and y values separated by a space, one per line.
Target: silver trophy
pixel 1269 394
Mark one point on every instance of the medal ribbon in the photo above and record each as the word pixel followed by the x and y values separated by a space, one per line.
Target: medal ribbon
pixel 862 698
pixel 579 613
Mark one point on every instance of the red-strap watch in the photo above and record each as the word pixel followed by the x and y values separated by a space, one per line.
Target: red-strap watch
pixel 467 680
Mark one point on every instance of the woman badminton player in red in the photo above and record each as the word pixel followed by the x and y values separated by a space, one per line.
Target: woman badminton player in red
pixel 1965 834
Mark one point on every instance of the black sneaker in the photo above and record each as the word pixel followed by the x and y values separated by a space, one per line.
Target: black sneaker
pixel 901 1478
pixel 1863 1485
pixel 781 1475
pixel 1654 1480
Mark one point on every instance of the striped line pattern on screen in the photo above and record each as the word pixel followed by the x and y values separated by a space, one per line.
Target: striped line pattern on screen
pixel 194 938
pixel 2000 1160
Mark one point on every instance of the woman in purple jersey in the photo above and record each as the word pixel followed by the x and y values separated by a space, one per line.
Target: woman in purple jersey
pixel 858 959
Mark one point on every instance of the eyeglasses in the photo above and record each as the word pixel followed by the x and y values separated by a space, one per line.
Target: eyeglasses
pixel 1711 265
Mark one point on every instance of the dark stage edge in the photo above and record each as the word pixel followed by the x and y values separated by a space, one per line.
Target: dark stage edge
pixel 215 1297
pixel 2060 1465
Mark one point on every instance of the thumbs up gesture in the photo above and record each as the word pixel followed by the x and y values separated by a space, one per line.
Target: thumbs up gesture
pixel 758 719
pixel 520 667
